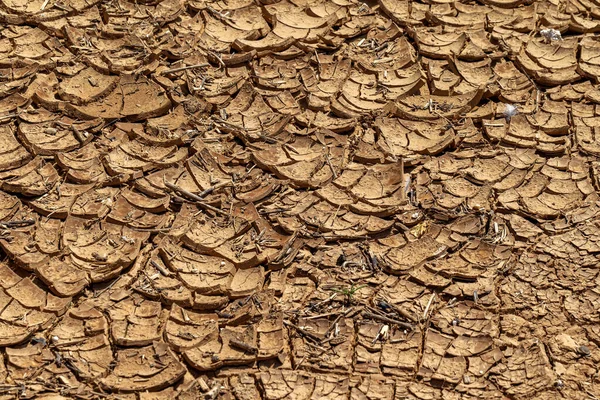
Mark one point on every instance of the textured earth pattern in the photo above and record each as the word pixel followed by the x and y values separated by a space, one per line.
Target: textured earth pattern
pixel 299 199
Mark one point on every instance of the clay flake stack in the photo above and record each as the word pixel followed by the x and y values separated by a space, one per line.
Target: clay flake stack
pixel 299 199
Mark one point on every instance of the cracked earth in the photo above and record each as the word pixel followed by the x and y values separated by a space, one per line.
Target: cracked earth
pixel 299 199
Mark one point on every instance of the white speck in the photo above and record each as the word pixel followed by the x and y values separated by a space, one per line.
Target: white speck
pixel 509 111
pixel 55 339
pixel 550 34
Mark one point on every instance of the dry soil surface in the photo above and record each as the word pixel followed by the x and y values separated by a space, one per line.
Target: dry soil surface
pixel 299 199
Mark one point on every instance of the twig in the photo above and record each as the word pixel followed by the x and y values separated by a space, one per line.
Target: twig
pixel 106 288
pixel 243 346
pixel 328 159
pixel 203 386
pixel 404 325
pixel 220 14
pixel 402 312
pixel 9 116
pixel 303 331
pixel 78 135
pixel 172 70
pixel 494 125
pixel 331 327
pixel 197 199
pixel 323 315
pixel 214 392
pixel 327 300
pixel 17 224
pixel 428 305
pixel 160 268
pixel 218 57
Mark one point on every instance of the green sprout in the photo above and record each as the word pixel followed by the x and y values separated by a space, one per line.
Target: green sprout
pixel 349 292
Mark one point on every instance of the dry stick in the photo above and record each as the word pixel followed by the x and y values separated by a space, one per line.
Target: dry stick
pixel 494 125
pixel 428 305
pixel 243 346
pixel 17 224
pixel 211 189
pixel 160 268
pixel 323 315
pixel 203 386
pixel 78 135
pixel 335 175
pixel 172 70
pixel 402 312
pixel 332 326
pixel 107 287
pixel 286 247
pixel 218 57
pixel 327 300
pixel 214 392
pixel 9 116
pixel 302 331
pixel 194 197
pixel 404 325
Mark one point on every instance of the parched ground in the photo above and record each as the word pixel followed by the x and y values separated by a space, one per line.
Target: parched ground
pixel 299 199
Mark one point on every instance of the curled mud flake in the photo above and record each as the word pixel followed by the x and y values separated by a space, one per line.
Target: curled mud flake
pixel 13 154
pixel 371 387
pixel 277 383
pixel 135 321
pixel 23 361
pixel 82 340
pixel 137 211
pixel 36 178
pixel 413 254
pixel 83 165
pixel 243 386
pixel 437 363
pixel 550 63
pixel 136 99
pixel 400 353
pixel 246 282
pixel 20 248
pixel 204 274
pixel 334 199
pixel 436 44
pixel 157 282
pixel 187 329
pixel 147 368
pixel 86 86
pixel 529 363
pixel 336 355
pixel 27 308
pixel 58 202
pixel 99 249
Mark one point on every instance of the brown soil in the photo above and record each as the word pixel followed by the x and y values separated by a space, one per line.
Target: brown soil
pixel 299 199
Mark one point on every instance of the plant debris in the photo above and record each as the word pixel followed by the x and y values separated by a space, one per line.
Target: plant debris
pixel 268 199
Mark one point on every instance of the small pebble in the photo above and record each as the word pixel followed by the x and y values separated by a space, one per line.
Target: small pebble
pixel 584 351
